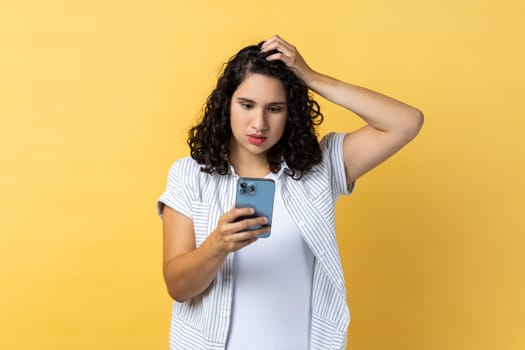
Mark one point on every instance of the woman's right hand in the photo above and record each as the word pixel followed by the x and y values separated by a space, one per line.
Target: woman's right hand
pixel 231 235
pixel 189 270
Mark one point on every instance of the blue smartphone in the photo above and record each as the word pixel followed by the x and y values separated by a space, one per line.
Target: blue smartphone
pixel 257 194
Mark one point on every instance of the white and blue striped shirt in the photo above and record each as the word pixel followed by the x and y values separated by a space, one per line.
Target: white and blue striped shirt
pixel 203 322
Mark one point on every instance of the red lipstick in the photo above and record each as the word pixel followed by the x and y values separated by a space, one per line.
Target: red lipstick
pixel 257 140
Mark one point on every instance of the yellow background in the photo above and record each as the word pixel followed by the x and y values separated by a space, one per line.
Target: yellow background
pixel 95 101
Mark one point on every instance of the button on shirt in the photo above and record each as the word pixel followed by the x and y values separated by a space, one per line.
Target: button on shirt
pixel 203 322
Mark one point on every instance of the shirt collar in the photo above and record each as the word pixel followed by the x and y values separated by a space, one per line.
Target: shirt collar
pixel 275 176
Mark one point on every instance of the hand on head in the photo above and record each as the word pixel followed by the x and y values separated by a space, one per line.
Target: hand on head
pixel 289 55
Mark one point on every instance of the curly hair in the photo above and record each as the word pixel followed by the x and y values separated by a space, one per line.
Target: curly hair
pixel 209 141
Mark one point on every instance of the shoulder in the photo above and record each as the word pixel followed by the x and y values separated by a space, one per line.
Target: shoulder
pixel 329 174
pixel 183 172
pixel 184 169
pixel 180 187
pixel 331 142
pixel 187 173
pixel 185 165
pixel 332 152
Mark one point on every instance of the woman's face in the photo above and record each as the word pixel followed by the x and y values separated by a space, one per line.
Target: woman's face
pixel 258 114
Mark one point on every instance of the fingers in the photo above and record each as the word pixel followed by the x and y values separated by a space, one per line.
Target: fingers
pixel 237 229
pixel 242 219
pixel 234 241
pixel 244 243
pixel 276 56
pixel 235 213
pixel 247 224
pixel 279 44
pixel 251 235
pixel 286 52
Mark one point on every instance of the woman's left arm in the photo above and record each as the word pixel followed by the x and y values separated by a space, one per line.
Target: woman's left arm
pixel 391 124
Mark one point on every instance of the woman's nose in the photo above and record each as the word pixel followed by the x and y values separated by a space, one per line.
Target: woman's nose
pixel 259 122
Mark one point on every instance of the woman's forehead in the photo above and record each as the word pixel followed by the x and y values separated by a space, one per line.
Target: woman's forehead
pixel 256 86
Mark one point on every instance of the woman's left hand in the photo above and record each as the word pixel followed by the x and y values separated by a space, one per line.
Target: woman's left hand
pixel 290 56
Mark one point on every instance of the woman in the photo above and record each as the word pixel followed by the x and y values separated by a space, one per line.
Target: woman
pixel 286 291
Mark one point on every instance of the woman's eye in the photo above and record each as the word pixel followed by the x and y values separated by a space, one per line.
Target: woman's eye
pixel 246 105
pixel 275 109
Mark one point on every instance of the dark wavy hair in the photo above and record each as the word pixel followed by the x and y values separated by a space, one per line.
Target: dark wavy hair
pixel 209 141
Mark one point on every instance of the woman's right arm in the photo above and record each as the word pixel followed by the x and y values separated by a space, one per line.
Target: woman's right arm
pixel 189 270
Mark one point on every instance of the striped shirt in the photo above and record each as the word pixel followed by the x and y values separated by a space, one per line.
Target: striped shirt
pixel 203 322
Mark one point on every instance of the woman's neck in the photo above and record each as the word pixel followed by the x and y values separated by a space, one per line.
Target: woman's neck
pixel 250 165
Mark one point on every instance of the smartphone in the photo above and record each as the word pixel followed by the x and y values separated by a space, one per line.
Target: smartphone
pixel 257 194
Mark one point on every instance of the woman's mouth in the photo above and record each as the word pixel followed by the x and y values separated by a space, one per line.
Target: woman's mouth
pixel 256 139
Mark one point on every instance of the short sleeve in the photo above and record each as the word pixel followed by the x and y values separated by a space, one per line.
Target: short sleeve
pixel 332 148
pixel 175 196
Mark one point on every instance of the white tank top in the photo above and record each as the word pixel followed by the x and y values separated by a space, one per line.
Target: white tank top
pixel 272 288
